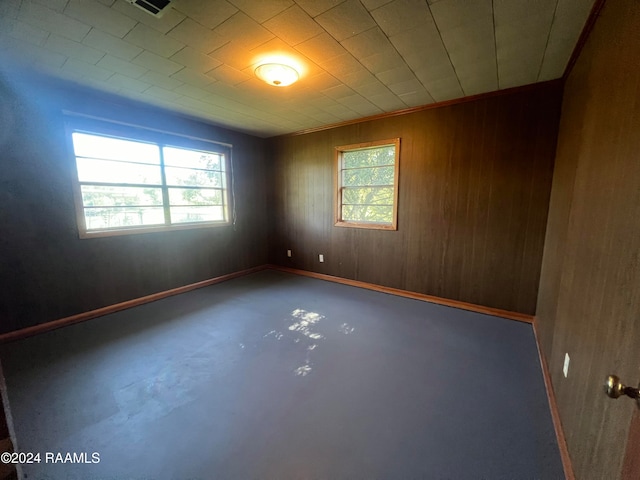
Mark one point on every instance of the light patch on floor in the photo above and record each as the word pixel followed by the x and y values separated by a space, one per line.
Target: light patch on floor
pixel 275 334
pixel 346 328
pixel 305 322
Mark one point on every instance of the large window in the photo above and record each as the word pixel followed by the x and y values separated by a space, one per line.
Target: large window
pixel 367 185
pixel 133 185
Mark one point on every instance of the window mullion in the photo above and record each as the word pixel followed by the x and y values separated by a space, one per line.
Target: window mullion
pixel 223 179
pixel 165 189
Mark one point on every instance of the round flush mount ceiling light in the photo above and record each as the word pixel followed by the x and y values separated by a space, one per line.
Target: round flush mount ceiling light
pixel 277 74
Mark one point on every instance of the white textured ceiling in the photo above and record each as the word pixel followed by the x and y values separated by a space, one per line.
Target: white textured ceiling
pixel 357 57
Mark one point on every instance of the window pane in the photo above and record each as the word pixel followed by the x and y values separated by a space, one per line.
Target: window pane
pixel 368 176
pixel 96 146
pixel 189 177
pixel 197 214
pixel 105 196
pixel 384 155
pixel 180 157
pixel 118 217
pixel 367 213
pixel 371 196
pixel 194 196
pixel 92 170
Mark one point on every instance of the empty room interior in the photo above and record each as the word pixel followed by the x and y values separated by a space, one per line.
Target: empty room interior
pixel 320 239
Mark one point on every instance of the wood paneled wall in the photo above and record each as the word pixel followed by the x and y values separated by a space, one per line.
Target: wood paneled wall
pixel 46 271
pixel 589 301
pixel 7 470
pixel 475 180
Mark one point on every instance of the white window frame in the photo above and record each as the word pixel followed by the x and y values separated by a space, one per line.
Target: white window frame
pixel 339 187
pixel 161 139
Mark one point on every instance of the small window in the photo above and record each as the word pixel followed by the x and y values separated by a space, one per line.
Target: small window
pixel 127 185
pixel 367 185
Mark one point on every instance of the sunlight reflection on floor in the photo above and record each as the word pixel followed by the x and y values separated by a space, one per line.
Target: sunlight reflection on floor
pixel 346 328
pixel 305 329
pixel 305 323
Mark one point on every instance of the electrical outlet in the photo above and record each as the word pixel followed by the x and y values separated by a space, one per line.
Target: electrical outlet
pixel 565 367
pixel 289 253
pixel 321 258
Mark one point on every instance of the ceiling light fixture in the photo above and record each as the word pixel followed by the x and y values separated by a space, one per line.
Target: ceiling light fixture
pixel 277 74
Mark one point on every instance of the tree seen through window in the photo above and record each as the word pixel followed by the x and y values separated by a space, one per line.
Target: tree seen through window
pixel 367 179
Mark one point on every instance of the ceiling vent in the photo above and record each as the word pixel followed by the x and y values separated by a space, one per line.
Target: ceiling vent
pixel 153 7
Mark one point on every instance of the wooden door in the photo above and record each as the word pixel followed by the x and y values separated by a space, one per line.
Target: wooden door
pixel 631 466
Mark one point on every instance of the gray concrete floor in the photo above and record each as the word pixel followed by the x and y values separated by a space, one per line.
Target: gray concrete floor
pixel 276 376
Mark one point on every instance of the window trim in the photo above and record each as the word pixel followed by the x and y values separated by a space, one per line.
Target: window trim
pixel 337 164
pixel 161 139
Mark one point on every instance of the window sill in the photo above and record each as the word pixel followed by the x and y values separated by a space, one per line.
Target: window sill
pixel 369 226
pixel 150 229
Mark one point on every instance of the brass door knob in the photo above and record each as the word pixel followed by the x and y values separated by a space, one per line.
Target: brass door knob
pixel 614 388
